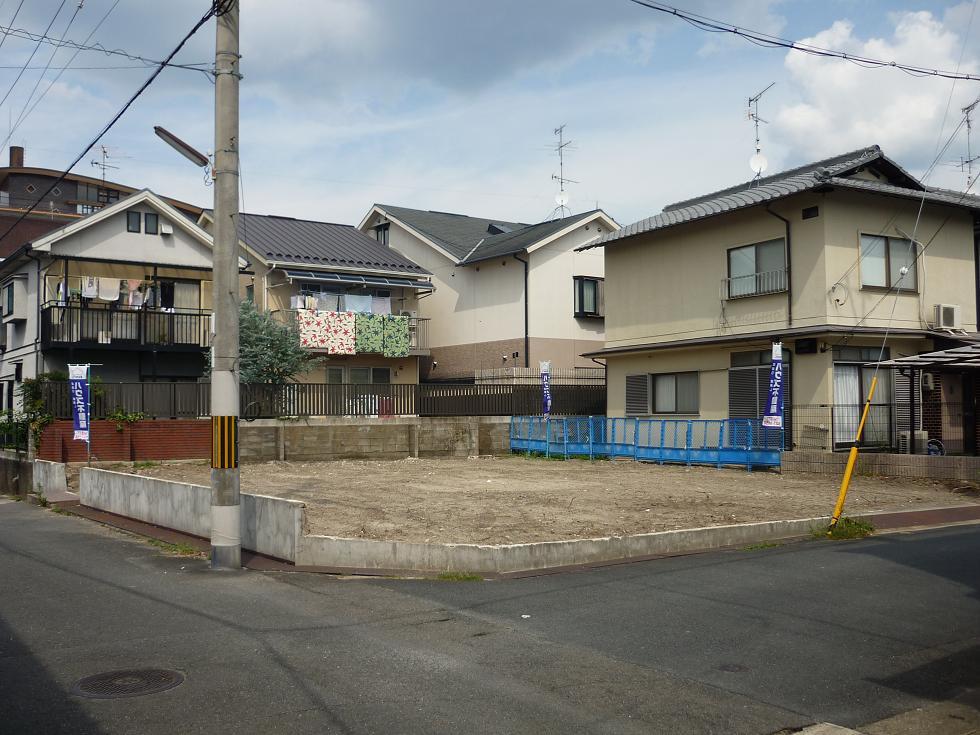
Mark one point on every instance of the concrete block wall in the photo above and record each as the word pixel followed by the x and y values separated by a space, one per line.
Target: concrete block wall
pixel 919 466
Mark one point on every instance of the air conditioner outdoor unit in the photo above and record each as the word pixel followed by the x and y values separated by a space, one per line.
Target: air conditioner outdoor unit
pixel 921 442
pixel 948 316
pixel 412 313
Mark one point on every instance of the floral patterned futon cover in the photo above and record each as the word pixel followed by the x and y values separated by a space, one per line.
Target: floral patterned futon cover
pixel 332 331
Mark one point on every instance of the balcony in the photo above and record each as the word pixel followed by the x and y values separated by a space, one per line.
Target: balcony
pixel 418 331
pixel 121 328
pixel 755 284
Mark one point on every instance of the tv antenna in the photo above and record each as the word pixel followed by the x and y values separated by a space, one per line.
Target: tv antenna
pixel 104 163
pixel 966 164
pixel 561 198
pixel 757 162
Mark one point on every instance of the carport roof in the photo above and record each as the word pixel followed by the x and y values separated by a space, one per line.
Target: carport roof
pixel 956 358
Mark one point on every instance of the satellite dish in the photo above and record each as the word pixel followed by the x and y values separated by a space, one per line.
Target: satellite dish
pixel 561 198
pixel 758 163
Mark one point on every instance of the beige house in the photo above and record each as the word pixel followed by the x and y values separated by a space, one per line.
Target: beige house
pixel 335 273
pixel 824 258
pixel 507 294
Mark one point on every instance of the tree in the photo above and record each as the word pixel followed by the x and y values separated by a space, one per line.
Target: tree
pixel 269 350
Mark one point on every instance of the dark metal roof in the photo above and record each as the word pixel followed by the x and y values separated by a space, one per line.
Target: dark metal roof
pixel 457 234
pixel 958 358
pixel 830 172
pixel 305 242
pixel 355 279
pixel 518 241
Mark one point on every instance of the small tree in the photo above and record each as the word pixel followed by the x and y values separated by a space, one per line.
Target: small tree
pixel 270 350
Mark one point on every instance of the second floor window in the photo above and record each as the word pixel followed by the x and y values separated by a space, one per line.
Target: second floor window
pixel 588 296
pixel 884 258
pixel 133 220
pixel 151 223
pixel 381 233
pixel 757 269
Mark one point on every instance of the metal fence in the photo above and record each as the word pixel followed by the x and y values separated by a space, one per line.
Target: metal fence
pixel 192 400
pixel 14 435
pixel 532 376
pixel 741 442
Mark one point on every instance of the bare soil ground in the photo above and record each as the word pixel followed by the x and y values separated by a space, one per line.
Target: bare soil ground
pixel 515 499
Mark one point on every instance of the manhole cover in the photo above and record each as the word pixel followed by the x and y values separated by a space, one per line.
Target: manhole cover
pixel 127 683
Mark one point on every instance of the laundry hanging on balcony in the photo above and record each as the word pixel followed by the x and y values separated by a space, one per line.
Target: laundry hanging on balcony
pixel 397 339
pixel 381 304
pixel 358 303
pixel 90 287
pixel 327 330
pixel 108 289
pixel 369 333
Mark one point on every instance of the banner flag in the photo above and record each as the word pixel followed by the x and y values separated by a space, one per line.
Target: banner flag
pixel 78 390
pixel 546 386
pixel 773 418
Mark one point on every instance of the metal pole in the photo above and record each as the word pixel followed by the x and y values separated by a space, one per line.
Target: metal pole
pixel 852 456
pixel 226 542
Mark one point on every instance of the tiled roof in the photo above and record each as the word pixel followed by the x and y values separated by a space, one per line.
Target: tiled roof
pixel 828 172
pixel 457 234
pixel 297 241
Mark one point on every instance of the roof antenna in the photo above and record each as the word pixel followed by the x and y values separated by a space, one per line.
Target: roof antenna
pixel 104 163
pixel 966 164
pixel 561 198
pixel 758 162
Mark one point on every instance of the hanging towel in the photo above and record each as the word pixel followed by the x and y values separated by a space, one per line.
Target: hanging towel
pixel 109 289
pixel 381 304
pixel 368 333
pixel 327 302
pixel 61 293
pixel 310 302
pixel 358 304
pixel 90 287
pixel 136 299
pixel 167 294
pixel 397 339
pixel 297 302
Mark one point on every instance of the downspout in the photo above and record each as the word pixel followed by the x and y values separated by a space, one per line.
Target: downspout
pixel 527 333
pixel 789 269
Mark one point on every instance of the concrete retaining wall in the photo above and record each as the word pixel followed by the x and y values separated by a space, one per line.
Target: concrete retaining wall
pixel 270 525
pixel 890 465
pixel 50 478
pixel 16 473
pixel 364 438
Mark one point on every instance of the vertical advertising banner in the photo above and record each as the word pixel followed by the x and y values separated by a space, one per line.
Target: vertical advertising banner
pixel 546 387
pixel 773 418
pixel 78 393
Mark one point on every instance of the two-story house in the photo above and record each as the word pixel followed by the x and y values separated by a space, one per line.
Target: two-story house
pixel 354 300
pixel 506 293
pixel 827 258
pixel 126 289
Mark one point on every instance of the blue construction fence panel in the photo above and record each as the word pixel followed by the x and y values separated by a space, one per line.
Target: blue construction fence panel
pixel 741 442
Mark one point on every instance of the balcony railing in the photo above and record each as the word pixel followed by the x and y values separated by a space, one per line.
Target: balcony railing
pixel 115 327
pixel 755 284
pixel 418 330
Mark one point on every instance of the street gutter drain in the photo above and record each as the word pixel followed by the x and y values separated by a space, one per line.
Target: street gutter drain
pixel 127 683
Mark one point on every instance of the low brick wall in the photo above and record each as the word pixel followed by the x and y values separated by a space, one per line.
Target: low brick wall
pixel 365 438
pixel 141 440
pixel 890 465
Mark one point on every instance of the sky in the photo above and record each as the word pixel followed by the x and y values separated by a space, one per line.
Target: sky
pixel 451 105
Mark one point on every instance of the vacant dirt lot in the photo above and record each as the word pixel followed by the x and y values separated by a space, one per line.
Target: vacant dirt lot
pixel 513 499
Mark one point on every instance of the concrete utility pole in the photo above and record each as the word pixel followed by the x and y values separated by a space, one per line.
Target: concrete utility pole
pixel 226 534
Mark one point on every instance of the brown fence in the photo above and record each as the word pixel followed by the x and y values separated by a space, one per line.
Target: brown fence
pixel 192 400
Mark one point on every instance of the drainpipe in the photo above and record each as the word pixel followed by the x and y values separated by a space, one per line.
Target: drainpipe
pixel 789 269
pixel 527 334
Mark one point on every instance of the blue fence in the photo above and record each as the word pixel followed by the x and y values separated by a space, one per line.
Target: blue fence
pixel 742 442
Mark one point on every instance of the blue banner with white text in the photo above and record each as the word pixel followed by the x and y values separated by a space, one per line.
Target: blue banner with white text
pixel 78 391
pixel 773 417
pixel 546 387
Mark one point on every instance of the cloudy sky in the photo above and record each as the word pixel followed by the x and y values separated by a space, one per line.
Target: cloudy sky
pixel 451 104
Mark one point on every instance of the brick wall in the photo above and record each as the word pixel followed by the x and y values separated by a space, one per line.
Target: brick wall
pixel 142 440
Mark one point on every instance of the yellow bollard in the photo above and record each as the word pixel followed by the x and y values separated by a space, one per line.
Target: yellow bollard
pixel 852 457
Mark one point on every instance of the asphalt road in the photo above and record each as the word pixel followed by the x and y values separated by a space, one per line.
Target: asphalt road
pixel 730 642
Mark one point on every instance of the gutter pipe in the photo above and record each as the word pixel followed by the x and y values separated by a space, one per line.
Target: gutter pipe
pixel 527 334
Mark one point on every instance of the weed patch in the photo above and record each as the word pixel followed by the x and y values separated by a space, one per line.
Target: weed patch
pixel 459 577
pixel 760 546
pixel 846 528
pixel 175 549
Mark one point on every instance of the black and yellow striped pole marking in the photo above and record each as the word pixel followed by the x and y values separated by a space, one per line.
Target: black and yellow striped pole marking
pixel 852 457
pixel 224 442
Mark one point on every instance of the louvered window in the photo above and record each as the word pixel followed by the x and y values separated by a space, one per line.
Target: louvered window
pixel 748 386
pixel 637 395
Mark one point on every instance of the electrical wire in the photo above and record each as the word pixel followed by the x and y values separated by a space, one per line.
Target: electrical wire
pixel 6 32
pixel 31 57
pixel 217 8
pixel 44 38
pixel 27 112
pixel 30 97
pixel 704 23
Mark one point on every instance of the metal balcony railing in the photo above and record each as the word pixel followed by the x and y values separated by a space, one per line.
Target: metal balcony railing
pixel 120 327
pixel 755 284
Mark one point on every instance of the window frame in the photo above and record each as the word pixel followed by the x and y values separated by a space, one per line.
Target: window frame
pixel 578 297
pixel 132 217
pixel 147 218
pixel 755 286
pixel 677 410
pixel 8 298
pixel 889 240
pixel 381 232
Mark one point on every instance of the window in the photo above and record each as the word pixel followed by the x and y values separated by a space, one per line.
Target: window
pixel 757 269
pixel 8 299
pixel 335 375
pixel 250 294
pixel 883 260
pixel 366 375
pixel 133 221
pixel 381 233
pixel 151 223
pixel 662 393
pixel 589 296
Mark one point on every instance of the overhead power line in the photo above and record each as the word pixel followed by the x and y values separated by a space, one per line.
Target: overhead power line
pixel 766 40
pixel 31 57
pixel 218 7
pixel 6 31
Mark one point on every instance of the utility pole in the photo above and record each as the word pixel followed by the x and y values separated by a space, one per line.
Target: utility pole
pixel 226 534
